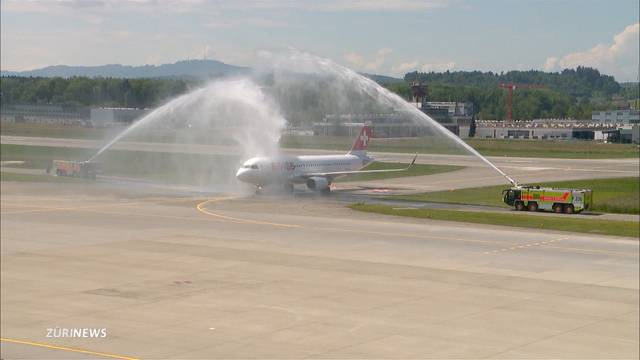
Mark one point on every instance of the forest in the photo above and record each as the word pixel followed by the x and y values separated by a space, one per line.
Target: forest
pixel 571 93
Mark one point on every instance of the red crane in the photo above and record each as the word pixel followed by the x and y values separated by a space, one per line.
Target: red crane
pixel 511 87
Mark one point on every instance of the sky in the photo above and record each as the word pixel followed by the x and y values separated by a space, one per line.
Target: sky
pixel 373 36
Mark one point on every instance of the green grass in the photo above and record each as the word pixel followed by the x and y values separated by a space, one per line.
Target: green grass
pixel 572 149
pixel 174 168
pixel 39 157
pixel 416 170
pixel 488 147
pixel 616 195
pixel 55 131
pixel 431 145
pixel 560 223
pixel 9 176
pixel 148 134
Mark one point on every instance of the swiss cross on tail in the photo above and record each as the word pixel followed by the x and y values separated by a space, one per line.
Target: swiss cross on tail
pixel 362 141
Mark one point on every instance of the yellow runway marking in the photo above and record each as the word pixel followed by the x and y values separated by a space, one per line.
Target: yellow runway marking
pixel 202 209
pixel 51 209
pixel 597 251
pixel 63 348
pixel 512 248
pixel 426 237
pixel 40 208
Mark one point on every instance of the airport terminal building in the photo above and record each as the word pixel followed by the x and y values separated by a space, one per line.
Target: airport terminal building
pixel 70 115
pixel 556 129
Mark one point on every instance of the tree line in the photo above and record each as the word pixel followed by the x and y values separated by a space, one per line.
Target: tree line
pixel 572 93
pixel 85 91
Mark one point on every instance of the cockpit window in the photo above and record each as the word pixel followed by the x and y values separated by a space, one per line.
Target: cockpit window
pixel 253 166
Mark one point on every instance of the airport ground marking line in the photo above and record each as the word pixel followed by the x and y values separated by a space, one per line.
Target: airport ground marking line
pixel 201 207
pixel 409 235
pixel 523 246
pixel 151 215
pixel 64 348
pixel 52 209
pixel 572 249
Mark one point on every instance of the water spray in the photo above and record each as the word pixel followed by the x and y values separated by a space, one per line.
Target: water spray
pixel 305 62
pixel 247 111
pixel 229 112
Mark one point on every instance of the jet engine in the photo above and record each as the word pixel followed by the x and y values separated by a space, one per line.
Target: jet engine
pixel 318 183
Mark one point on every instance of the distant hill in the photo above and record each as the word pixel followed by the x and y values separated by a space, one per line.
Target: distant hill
pixel 186 68
pixel 383 79
pixel 581 82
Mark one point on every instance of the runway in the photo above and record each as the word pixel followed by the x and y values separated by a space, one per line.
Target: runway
pixel 476 173
pixel 193 276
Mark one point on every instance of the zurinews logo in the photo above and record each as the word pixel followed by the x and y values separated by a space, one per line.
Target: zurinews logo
pixel 58 332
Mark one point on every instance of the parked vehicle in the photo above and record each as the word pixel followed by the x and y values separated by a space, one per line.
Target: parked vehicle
pixel 83 169
pixel 534 198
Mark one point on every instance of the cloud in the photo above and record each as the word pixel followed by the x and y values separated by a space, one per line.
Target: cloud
pixel 244 22
pixel 374 64
pixel 65 6
pixel 375 5
pixel 202 5
pixel 550 64
pixel 405 67
pixel 619 58
pixel 438 67
pixel 354 58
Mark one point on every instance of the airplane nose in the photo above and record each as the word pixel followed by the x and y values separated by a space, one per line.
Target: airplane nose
pixel 243 175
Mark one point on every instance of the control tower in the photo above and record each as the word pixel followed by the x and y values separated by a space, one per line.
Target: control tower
pixel 418 93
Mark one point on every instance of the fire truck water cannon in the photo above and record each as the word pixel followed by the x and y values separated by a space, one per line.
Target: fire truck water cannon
pixel 558 200
pixel 71 168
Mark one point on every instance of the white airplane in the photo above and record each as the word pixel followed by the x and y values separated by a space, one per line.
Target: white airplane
pixel 316 171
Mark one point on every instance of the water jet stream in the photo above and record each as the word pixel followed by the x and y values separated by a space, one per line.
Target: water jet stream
pixel 242 111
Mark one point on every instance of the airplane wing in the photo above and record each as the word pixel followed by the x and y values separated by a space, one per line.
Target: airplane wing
pixel 340 173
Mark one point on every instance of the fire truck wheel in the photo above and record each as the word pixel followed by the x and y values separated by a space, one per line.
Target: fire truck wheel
pixel 557 208
pixel 519 206
pixel 533 206
pixel 568 209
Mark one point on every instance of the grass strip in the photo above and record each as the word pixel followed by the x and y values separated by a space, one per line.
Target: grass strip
pixel 570 149
pixel 415 170
pixel 10 176
pixel 560 222
pixel 615 195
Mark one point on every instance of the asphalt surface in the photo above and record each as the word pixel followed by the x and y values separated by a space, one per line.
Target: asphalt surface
pixel 175 274
pixel 476 173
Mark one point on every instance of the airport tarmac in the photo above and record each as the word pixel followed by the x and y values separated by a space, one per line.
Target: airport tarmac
pixel 194 276
pixel 476 173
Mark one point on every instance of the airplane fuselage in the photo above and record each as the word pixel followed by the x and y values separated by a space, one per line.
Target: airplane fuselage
pixel 297 169
pixel 317 171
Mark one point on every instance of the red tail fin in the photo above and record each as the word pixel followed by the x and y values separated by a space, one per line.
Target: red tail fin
pixel 362 141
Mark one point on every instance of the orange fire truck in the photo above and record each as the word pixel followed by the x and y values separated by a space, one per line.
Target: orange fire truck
pixel 83 169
